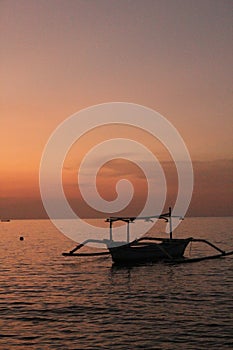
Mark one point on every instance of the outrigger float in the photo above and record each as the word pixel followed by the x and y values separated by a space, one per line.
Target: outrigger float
pixel 147 249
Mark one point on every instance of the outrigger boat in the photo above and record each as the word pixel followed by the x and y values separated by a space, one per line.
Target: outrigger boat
pixel 147 249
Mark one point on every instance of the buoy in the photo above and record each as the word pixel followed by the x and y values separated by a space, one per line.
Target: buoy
pixel 21 238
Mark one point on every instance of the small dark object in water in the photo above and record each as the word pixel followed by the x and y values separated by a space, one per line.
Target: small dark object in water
pixel 21 238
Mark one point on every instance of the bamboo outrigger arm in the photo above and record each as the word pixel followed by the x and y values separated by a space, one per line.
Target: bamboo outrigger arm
pixel 210 244
pixel 221 254
pixel 79 246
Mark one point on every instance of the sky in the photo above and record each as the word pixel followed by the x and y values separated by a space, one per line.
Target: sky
pixel 58 57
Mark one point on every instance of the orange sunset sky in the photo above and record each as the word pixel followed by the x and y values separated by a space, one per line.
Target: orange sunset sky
pixel 58 57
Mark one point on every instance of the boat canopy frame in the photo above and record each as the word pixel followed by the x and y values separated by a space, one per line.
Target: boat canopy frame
pixel 130 219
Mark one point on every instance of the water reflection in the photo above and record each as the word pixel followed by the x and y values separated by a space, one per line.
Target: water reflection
pixel 47 299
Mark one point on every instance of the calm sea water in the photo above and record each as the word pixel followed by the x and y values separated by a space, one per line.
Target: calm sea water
pixel 48 301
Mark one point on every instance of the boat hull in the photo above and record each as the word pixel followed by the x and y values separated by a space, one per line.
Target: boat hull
pixel 138 252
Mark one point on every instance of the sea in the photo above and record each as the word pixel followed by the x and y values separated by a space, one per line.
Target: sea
pixel 48 301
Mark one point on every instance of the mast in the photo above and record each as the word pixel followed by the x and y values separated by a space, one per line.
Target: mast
pixel 170 222
pixel 127 231
pixel 110 230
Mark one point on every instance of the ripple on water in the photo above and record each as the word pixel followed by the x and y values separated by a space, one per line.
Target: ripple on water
pixel 50 302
